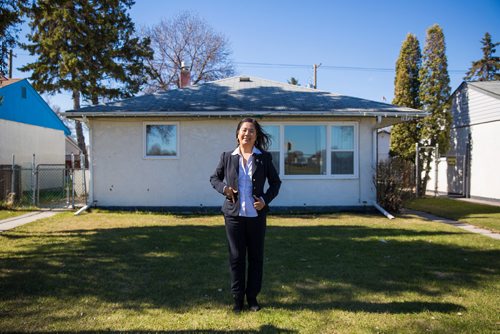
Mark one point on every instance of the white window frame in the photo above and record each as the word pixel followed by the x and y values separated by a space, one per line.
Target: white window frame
pixel 355 150
pixel 328 175
pixel 160 157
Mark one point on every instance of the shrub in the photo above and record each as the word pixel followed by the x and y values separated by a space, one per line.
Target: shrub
pixel 395 183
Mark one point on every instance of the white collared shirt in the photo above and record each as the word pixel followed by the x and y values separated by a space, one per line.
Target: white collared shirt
pixel 245 185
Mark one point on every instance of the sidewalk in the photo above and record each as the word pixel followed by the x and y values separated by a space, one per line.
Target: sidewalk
pixel 13 222
pixel 478 201
pixel 464 226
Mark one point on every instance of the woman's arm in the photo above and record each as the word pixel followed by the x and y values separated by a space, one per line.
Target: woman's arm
pixel 217 178
pixel 273 179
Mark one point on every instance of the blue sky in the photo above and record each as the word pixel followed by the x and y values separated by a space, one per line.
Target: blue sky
pixel 359 34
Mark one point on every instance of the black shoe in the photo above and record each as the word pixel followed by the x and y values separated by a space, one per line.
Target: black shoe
pixel 253 305
pixel 238 305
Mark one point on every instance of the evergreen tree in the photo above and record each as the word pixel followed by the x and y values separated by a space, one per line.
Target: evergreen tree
pixel 406 94
pixel 85 47
pixel 435 98
pixel 10 18
pixel 487 68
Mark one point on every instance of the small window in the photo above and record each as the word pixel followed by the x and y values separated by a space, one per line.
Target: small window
pixel 274 132
pixel 23 92
pixel 161 140
pixel 342 150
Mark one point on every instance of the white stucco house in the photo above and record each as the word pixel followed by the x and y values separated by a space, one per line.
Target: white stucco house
pixel 469 167
pixel 159 150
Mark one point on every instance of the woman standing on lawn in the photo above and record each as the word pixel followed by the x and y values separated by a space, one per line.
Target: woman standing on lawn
pixel 240 176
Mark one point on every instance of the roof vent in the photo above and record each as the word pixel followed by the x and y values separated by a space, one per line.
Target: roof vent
pixel 245 79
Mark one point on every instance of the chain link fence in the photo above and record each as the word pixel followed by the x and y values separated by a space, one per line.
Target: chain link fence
pixel 43 186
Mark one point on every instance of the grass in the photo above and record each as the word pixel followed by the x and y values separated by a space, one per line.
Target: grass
pixel 6 214
pixel 485 216
pixel 341 273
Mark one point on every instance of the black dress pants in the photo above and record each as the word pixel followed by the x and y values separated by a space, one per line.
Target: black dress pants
pixel 245 235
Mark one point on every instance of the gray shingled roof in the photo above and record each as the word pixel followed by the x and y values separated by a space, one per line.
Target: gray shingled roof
pixel 491 88
pixel 235 95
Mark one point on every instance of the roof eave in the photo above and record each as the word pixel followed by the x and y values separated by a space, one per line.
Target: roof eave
pixel 219 114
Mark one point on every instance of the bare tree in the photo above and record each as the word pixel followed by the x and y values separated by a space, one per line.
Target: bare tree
pixel 189 39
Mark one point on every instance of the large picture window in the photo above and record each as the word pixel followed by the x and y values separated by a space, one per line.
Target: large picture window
pixel 309 150
pixel 161 140
pixel 305 150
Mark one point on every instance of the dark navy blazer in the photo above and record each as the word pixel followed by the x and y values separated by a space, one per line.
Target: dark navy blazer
pixel 226 174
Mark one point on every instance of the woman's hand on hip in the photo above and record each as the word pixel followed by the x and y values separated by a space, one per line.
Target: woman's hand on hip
pixel 259 204
pixel 230 193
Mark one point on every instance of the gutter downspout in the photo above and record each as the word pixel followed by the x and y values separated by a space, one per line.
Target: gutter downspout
pixel 90 198
pixel 374 166
pixel 382 210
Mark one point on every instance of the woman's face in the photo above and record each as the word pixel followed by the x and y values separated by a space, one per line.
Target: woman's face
pixel 247 134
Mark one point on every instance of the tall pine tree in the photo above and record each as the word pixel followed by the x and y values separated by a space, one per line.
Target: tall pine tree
pixel 9 21
pixel 435 98
pixel 85 47
pixel 487 68
pixel 406 94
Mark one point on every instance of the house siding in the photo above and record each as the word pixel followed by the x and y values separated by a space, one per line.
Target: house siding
pixel 123 177
pixel 485 159
pixel 24 140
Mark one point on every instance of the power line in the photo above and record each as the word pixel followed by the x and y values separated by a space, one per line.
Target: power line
pixel 326 67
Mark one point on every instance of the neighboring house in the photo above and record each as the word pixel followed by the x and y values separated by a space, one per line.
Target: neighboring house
pixel 469 168
pixel 384 143
pixel 159 150
pixel 28 126
pixel 72 152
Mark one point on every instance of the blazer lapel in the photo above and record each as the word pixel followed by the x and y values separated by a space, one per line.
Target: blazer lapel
pixel 257 162
pixel 235 163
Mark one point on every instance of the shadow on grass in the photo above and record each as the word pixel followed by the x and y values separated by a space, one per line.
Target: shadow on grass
pixel 181 267
pixel 262 329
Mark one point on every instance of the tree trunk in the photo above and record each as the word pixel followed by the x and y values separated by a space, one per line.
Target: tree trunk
pixel 78 126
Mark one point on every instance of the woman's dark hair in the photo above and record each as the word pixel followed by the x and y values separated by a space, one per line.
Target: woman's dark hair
pixel 263 140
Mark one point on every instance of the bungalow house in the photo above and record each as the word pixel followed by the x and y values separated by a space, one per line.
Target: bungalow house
pixel 159 150
pixel 469 167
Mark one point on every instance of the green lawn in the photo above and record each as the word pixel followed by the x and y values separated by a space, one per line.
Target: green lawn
pixel 485 216
pixel 342 273
pixel 6 214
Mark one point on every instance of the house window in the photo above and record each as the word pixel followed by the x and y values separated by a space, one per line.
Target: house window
pixel 274 132
pixel 161 140
pixel 342 150
pixel 23 92
pixel 305 150
pixel 328 150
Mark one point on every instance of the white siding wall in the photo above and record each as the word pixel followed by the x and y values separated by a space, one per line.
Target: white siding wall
pixel 482 107
pixel 23 140
pixel 485 159
pixel 122 177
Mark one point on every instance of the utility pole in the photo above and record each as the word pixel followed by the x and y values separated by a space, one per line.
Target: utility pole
pixel 315 66
pixel 10 64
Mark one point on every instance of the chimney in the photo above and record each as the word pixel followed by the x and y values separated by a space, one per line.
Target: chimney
pixel 185 79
